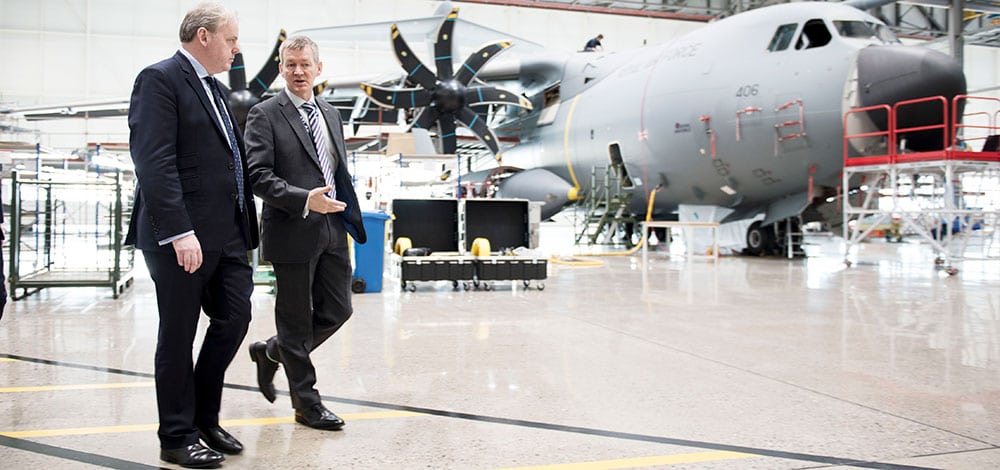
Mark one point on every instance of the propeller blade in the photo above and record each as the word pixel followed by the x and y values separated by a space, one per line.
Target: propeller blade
pixel 318 89
pixel 416 72
pixel 446 132
pixel 442 47
pixel 269 71
pixel 397 97
pixel 238 73
pixel 476 61
pixel 483 95
pixel 426 118
pixel 478 126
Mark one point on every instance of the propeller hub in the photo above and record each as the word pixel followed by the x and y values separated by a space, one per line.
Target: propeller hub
pixel 241 102
pixel 450 96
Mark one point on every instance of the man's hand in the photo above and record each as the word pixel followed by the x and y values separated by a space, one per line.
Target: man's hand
pixel 188 251
pixel 319 202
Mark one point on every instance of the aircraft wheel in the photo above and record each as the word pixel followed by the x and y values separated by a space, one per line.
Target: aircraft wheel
pixel 758 239
pixel 411 287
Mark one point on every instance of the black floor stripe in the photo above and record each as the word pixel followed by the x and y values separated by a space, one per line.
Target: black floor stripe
pixel 821 459
pixel 70 454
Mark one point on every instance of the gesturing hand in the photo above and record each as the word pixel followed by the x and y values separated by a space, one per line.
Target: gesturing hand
pixel 320 202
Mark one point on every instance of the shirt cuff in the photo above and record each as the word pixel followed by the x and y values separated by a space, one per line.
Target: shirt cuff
pixel 166 241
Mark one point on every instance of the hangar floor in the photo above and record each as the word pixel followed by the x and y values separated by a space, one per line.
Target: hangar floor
pixel 749 363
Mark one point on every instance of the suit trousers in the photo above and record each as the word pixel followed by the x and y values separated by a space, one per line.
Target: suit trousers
pixel 190 396
pixel 313 300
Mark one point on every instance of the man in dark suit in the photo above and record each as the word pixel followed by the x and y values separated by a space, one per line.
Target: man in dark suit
pixel 194 220
pixel 298 167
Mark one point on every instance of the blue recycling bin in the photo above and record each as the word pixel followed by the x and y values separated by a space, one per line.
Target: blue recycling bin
pixel 369 257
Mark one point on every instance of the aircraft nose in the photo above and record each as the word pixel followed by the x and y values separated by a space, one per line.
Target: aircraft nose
pixel 890 74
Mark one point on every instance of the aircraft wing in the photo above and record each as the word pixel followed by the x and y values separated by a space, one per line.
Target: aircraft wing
pixel 114 107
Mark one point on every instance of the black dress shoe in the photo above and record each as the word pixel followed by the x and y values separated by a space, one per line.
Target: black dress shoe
pixel 317 416
pixel 192 456
pixel 220 440
pixel 266 368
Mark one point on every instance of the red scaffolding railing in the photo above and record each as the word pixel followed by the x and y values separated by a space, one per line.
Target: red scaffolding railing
pixel 960 135
pixel 884 139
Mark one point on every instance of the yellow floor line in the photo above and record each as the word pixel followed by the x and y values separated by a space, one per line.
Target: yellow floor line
pixel 643 461
pixel 51 388
pixel 232 423
pixel 7 359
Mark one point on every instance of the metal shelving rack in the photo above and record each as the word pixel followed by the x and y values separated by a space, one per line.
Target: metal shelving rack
pixel 68 233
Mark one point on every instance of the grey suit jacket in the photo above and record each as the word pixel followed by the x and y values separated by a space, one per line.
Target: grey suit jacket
pixel 284 167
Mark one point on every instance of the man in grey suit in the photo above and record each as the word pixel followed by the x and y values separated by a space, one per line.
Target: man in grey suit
pixel 298 167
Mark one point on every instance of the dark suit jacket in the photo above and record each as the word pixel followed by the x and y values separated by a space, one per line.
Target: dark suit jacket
pixel 284 167
pixel 183 162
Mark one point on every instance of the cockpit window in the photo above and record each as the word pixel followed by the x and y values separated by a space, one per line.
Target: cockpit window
pixel 865 30
pixel 814 34
pixel 782 37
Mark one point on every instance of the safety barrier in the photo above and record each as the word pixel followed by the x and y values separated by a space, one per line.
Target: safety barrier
pixel 958 132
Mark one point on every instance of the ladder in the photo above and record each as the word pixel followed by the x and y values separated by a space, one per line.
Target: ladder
pixel 607 208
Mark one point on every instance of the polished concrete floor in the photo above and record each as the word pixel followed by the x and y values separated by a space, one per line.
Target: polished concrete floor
pixel 745 363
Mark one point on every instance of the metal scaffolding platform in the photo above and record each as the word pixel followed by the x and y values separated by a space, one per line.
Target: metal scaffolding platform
pixel 948 197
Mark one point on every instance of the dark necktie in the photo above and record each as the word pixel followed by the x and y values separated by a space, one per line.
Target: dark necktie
pixel 319 141
pixel 228 125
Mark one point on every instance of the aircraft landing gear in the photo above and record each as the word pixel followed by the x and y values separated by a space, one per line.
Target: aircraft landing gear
pixel 760 239
pixel 774 239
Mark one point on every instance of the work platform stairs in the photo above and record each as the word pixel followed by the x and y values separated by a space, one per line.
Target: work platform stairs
pixel 607 209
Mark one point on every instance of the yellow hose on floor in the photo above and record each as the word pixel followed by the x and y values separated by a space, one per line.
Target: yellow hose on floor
pixel 585 262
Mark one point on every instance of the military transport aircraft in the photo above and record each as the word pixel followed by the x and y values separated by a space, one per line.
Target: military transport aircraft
pixel 745 113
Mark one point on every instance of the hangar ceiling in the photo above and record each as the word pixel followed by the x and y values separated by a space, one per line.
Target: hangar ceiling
pixel 922 19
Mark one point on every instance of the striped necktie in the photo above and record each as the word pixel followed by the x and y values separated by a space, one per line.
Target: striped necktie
pixel 318 135
pixel 228 125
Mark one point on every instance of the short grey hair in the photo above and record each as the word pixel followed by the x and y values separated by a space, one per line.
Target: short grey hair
pixel 208 15
pixel 297 43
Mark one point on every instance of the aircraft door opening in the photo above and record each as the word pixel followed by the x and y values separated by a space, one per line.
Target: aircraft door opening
pixel 618 164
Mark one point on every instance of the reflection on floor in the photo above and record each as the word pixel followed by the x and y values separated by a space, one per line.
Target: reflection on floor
pixel 742 363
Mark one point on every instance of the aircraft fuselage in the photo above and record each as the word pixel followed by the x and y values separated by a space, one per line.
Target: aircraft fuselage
pixel 738 114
